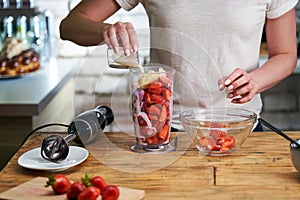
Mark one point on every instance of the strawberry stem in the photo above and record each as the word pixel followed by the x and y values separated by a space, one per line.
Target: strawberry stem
pixel 51 181
pixel 86 180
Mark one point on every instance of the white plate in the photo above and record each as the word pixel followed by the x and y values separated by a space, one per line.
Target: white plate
pixel 20 75
pixel 33 160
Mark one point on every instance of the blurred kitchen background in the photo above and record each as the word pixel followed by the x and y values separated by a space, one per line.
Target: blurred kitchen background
pixel 83 89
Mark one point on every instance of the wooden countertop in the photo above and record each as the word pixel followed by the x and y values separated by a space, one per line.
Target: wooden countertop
pixel 261 169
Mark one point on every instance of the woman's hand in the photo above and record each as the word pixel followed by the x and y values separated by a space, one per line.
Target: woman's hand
pixel 240 86
pixel 121 34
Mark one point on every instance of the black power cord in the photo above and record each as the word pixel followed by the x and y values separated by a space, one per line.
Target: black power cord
pixel 41 127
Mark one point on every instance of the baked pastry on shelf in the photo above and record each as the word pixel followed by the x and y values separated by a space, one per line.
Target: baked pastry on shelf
pixel 14 60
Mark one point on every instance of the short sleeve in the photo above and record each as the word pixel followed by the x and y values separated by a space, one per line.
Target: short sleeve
pixel 276 8
pixel 128 4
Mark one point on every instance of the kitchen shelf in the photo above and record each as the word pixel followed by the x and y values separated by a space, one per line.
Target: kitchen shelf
pixel 28 12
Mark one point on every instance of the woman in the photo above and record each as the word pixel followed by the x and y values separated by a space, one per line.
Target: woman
pixel 214 45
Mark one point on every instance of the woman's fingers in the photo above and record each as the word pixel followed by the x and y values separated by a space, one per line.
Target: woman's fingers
pixel 244 98
pixel 133 39
pixel 107 40
pixel 240 86
pixel 121 34
pixel 234 76
pixel 233 81
pixel 113 40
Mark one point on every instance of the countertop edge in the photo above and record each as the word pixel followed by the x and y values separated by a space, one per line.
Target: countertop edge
pixel 23 109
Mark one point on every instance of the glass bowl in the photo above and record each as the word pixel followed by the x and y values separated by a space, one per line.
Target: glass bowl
pixel 218 131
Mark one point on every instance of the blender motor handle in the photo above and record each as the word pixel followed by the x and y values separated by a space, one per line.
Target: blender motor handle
pixel 107 113
pixel 55 147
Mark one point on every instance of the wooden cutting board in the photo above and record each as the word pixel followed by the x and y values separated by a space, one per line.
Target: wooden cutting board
pixel 35 190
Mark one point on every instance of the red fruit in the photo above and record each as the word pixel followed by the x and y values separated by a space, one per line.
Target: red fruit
pixel 167 93
pixel 229 142
pixel 98 182
pixel 224 148
pixel 59 183
pixel 221 140
pixel 217 134
pixel 153 140
pixel 158 99
pixel 148 98
pixel 222 135
pixel 218 141
pixel 110 192
pixel 207 142
pixel 216 147
pixel 164 133
pixel 155 88
pixel 163 114
pixel 90 193
pixel 75 190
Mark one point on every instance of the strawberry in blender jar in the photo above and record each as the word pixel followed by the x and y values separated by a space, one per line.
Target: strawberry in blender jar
pixel 152 89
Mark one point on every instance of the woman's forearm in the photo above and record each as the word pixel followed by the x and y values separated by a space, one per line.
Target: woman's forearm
pixel 282 48
pixel 82 30
pixel 274 70
pixel 85 23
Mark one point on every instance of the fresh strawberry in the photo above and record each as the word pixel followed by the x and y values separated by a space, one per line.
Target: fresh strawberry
pixel 76 188
pixel 59 183
pixel 110 192
pixel 90 193
pixel 98 182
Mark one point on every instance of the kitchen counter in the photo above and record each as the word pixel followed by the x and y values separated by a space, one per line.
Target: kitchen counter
pixel 29 95
pixel 261 169
pixel 27 102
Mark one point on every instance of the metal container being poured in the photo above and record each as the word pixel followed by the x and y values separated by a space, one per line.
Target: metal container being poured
pixel 84 128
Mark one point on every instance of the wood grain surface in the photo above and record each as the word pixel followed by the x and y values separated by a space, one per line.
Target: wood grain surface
pixel 261 169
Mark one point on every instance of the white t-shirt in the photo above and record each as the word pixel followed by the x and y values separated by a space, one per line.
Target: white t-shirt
pixel 206 40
